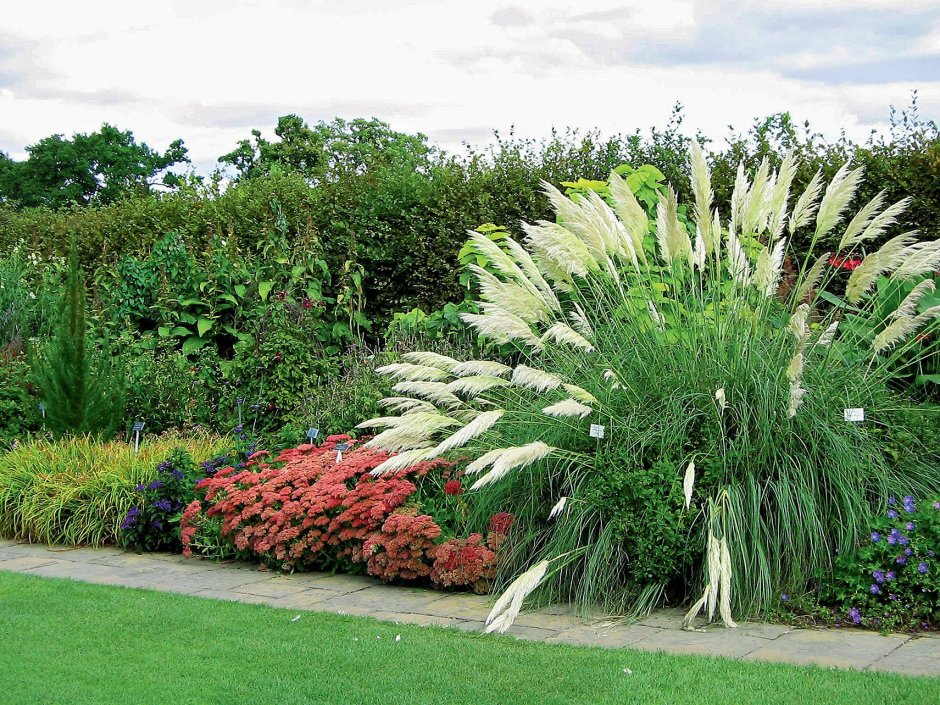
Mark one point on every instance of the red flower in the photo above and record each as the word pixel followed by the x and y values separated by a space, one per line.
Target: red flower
pixel 453 488
pixel 847 263
pixel 501 522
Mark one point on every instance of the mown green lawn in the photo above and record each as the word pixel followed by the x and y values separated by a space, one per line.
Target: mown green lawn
pixel 68 642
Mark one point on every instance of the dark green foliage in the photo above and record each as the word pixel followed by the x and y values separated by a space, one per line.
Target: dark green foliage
pixel 99 167
pixel 80 389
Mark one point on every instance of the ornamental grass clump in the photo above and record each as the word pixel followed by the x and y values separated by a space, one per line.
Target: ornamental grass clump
pixel 674 428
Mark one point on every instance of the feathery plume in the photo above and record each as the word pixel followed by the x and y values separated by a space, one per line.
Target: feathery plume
pixel 534 379
pixel 533 274
pixel 886 259
pixel 769 268
pixel 511 297
pixel 805 207
pixel 827 336
pixel 430 359
pixel 580 320
pixel 488 368
pixel 582 395
pixel 797 325
pixel 836 198
pixel 435 392
pixel 509 604
pixel 631 213
pixel 671 235
pixel 567 407
pixel 720 399
pixel 502 327
pixel 860 222
pixel 908 306
pixel 558 508
pixel 476 385
pixel 563 333
pixel 688 483
pixel 402 461
pixel 514 458
pixel 884 220
pixel 477 427
pixel 655 315
pixel 404 405
pixel 563 247
pixel 920 258
pixel 901 329
pixel 780 197
pixel 484 461
pixel 409 372
pixel 738 264
pixel 702 190
pixel 754 209
pixel 380 422
pixel 796 398
pixel 795 368
pixel 724 604
pixel 738 199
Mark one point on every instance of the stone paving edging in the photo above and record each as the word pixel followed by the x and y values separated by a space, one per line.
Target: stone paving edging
pixel 364 596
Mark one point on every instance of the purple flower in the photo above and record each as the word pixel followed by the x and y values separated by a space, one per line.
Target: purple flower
pixel 141 487
pixel 892 513
pixel 930 552
pixel 891 575
pixel 908 504
pixel 157 524
pixel 855 615
pixel 893 597
pixel 894 536
pixel 902 559
pixel 878 576
pixel 936 505
pixel 875 537
pixel 908 552
pixel 155 485
pixel 874 589
pixel 909 526
pixel 892 500
pixel 784 597
pixel 922 568
pixel 164 505
pixel 164 466
pixel 131 518
pixel 904 540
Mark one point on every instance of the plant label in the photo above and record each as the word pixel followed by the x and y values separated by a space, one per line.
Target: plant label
pixel 42 409
pixel 597 430
pixel 138 426
pixel 312 433
pixel 339 451
pixel 855 415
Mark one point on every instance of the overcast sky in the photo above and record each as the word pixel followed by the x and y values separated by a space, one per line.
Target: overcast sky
pixel 211 71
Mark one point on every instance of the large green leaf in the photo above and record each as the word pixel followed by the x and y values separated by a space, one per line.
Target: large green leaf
pixel 264 288
pixel 203 325
pixel 193 343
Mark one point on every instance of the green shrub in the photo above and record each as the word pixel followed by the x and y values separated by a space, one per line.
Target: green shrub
pixel 77 490
pixel 679 338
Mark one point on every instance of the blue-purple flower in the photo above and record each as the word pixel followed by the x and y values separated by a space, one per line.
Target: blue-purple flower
pixel 164 505
pixel 910 526
pixel 155 485
pixel 922 568
pixel 892 501
pixel 878 576
pixel 131 518
pixel 875 537
pixel 908 504
pixel 874 589
pixel 141 487
pixel 855 615
pixel 891 575
pixel 894 536
pixel 903 540
pixel 784 597
pixel 908 552
pixel 902 559
pixel 892 513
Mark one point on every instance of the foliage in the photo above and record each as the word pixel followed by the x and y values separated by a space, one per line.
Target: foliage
pixel 77 490
pixel 81 391
pixel 892 580
pixel 726 458
pixel 99 167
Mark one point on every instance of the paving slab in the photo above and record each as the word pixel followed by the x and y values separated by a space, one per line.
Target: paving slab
pixel 919 656
pixel 22 564
pixel 829 647
pixel 612 636
pixel 712 642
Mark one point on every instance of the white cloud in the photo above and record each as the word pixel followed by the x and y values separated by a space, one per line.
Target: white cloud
pixel 210 71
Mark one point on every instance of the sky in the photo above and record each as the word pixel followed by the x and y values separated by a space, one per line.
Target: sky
pixel 209 72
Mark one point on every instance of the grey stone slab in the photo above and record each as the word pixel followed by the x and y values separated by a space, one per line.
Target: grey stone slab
pixel 304 600
pixel 229 596
pixel 723 642
pixel 459 605
pixel 222 579
pixel 551 622
pixel 383 598
pixel 70 570
pixel 338 582
pixel 669 618
pixel 918 657
pixel 616 636
pixel 23 563
pixel 274 587
pixel 828 647
pixel 82 554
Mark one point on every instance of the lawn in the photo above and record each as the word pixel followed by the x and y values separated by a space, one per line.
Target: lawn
pixel 69 642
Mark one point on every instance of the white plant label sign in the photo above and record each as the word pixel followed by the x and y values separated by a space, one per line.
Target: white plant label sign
pixel 597 431
pixel 855 415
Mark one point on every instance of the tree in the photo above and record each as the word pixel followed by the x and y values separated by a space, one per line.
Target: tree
pixel 81 392
pixel 99 167
pixel 328 150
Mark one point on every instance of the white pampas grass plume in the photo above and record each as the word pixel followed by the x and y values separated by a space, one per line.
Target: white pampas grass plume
pixel 403 461
pixel 754 209
pixel 671 236
pixel 720 399
pixel 797 392
pixel 381 422
pixel 901 329
pixel 780 197
pixel 558 508
pixel 514 458
pixel 413 431
pixel 908 306
pixel 812 277
pixel 688 484
pixel 536 380
pixel 562 246
pixel 769 268
pixel 436 392
pixel 881 222
pixel 738 264
pixel 484 461
pixel 413 373
pixel 631 213
pixel 404 405
pixel 838 193
pixel 795 368
pixel 533 274
pixel 502 327
pixel 655 315
pixel 805 207
pixel 827 336
pixel 430 359
pixel 476 385
pixel 477 427
pixel 580 320
pixel 886 259
pixel 922 260
pixel 566 408
pixel 563 333
pixel 700 251
pixel 797 325
pixel 497 257
pixel 482 368
pixel 611 376
pixel 580 394
pixel 860 222
pixel 509 604
pixel 702 190
pixel 738 198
